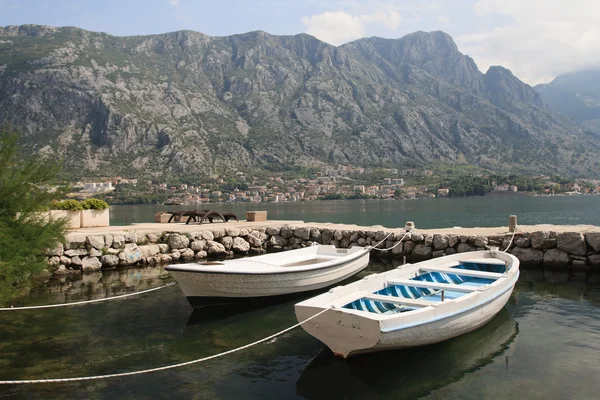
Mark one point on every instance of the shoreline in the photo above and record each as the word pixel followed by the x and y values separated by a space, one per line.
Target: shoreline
pixel 181 227
pixel 489 194
pixel 574 249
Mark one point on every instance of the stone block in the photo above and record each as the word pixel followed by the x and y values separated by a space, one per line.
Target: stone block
pixel 572 242
pixel 528 256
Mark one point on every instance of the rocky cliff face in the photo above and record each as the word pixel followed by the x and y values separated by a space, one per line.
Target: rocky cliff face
pixel 576 95
pixel 185 102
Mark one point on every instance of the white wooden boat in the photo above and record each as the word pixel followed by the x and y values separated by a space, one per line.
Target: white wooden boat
pixel 413 305
pixel 294 271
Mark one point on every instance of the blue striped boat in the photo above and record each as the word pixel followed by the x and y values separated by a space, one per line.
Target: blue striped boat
pixel 414 305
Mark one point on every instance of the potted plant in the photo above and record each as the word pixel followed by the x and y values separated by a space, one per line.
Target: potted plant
pixel 69 210
pixel 95 213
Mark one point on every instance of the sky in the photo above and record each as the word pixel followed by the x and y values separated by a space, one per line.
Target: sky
pixel 536 39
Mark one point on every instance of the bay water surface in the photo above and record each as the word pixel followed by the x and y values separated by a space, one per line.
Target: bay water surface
pixel 545 344
pixel 468 212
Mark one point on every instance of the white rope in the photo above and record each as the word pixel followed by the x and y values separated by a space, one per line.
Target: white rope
pixel 400 241
pixel 146 371
pixel 511 240
pixel 85 302
pixel 383 240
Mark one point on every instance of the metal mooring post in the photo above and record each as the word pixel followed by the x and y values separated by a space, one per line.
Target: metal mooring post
pixel 512 223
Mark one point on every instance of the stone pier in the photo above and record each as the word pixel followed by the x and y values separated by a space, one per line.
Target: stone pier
pixel 575 249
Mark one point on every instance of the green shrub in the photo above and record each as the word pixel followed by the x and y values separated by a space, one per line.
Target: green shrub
pixel 94 204
pixel 68 205
pixel 24 191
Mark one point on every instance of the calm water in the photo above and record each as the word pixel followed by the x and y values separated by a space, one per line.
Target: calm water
pixel 545 344
pixel 488 211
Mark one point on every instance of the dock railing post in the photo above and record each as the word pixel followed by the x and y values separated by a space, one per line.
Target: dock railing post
pixel 512 223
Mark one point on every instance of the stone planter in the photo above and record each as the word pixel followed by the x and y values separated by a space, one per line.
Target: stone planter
pixel 93 218
pixel 161 218
pixel 73 217
pixel 256 215
pixel 43 215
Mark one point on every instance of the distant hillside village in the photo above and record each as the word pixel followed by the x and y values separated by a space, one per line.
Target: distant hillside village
pixel 330 183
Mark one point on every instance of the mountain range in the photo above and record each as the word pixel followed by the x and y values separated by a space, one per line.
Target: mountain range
pixel 185 103
pixel 576 95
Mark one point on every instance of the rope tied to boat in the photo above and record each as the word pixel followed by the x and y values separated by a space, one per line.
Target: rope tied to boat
pixel 374 247
pixel 78 303
pixel 163 368
pixel 511 240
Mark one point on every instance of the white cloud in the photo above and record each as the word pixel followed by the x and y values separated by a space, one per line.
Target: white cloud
pixel 540 38
pixel 174 3
pixel 337 27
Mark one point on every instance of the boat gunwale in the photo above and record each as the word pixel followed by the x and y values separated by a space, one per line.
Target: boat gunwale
pixel 272 269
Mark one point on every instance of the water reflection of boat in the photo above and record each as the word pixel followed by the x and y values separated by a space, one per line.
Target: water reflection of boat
pixel 224 311
pixel 408 373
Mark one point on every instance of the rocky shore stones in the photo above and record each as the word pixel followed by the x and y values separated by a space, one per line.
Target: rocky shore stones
pixel 118 241
pixel 197 245
pixel 440 242
pixel 556 257
pixel 76 252
pixel 326 237
pixel 572 242
pixel 571 251
pixel 215 248
pixel 240 245
pixel 130 254
pixel 227 242
pixel 109 260
pixel 278 241
pixel 302 232
pixel 218 233
pixel 543 240
pixel 522 242
pixel 208 235
pixel 273 231
pixel 593 239
pixel 177 241
pixel 528 256
pixel 57 250
pixel 464 247
pixel 74 241
pixel 149 250
pixel 187 254
pixel 96 242
pixel 90 264
pixel 422 251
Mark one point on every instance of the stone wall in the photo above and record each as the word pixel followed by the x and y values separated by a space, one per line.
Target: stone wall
pixel 573 251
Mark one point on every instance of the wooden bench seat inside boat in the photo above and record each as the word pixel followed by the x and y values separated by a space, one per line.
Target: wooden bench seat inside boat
pixel 464 272
pixel 403 300
pixel 432 285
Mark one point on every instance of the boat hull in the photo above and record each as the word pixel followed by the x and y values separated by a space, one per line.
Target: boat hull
pixel 201 288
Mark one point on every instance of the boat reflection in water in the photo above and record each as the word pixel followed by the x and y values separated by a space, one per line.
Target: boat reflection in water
pixel 408 373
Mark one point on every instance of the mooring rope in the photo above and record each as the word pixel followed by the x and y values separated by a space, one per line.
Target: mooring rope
pixel 400 241
pixel 163 368
pixel 78 303
pixel 511 240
